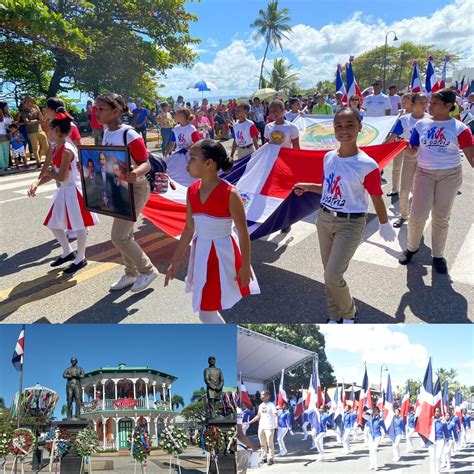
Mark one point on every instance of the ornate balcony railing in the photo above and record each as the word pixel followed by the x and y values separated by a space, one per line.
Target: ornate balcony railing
pixel 123 404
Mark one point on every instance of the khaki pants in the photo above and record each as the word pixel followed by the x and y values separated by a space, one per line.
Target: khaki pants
pixel 243 152
pixel 409 167
pixel 339 238
pixel 243 461
pixel 39 143
pixel 134 258
pixel 396 170
pixel 266 440
pixel 434 190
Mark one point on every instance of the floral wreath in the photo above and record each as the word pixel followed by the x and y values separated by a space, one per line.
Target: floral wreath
pixel 140 445
pixel 87 442
pixel 22 442
pixel 58 442
pixel 213 440
pixel 173 440
pixel 5 440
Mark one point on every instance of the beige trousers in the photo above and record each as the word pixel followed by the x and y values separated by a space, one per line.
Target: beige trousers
pixel 40 145
pixel 134 258
pixel 396 170
pixel 434 190
pixel 266 440
pixel 243 152
pixel 243 461
pixel 409 168
pixel 339 238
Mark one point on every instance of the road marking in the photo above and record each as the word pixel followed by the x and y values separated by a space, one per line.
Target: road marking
pixel 299 231
pixel 22 177
pixel 13 199
pixel 18 184
pixel 46 188
pixel 463 269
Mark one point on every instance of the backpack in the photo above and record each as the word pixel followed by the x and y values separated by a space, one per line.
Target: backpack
pixel 157 164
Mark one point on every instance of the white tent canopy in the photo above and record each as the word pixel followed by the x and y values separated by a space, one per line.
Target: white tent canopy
pixel 261 358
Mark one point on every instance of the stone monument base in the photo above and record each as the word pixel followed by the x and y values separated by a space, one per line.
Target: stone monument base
pixel 226 464
pixel 71 462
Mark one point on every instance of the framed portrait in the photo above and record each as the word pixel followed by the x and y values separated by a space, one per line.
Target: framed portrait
pixel 105 189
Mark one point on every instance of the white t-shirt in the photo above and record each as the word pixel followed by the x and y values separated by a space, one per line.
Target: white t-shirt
pixel 267 413
pixel 4 124
pixel 290 116
pixel 376 105
pixel 404 125
pixel 184 136
pixel 395 104
pixel 258 112
pixel 138 150
pixel 243 133
pixel 281 134
pixel 347 182
pixel 440 142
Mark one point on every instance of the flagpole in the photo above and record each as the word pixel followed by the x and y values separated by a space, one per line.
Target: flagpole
pixel 240 390
pixel 18 408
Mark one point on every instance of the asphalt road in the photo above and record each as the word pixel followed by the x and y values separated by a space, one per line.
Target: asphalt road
pixel 288 267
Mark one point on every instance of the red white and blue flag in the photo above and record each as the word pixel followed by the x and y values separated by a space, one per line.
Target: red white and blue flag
pixel 415 79
pixel 405 405
pixel 380 401
pixel 430 80
pixel 458 405
pixel 244 396
pixel 445 398
pixel 441 84
pixel 388 413
pixel 299 409
pixel 437 395
pixel 18 353
pixel 351 400
pixel 365 397
pixel 282 398
pixel 352 86
pixel 340 84
pixel 327 399
pixel 425 424
pixel 264 180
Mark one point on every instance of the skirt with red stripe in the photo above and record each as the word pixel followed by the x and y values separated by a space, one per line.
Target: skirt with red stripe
pixel 67 210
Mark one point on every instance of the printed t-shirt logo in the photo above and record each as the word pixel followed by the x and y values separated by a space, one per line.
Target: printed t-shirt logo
pixel 435 137
pixel 182 139
pixel 240 137
pixel 277 137
pixel 333 195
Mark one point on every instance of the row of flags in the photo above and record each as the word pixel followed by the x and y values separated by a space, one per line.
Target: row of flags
pixel 352 86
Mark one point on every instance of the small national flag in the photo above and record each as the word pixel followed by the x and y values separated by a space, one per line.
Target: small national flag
pixel 299 408
pixel 244 396
pixel 340 84
pixel 18 353
pixel 405 405
pixel 430 76
pixel 388 413
pixel 415 79
pixel 352 86
pixel 441 84
pixel 437 395
pixel 365 397
pixel 424 423
pixel 282 398
pixel 445 398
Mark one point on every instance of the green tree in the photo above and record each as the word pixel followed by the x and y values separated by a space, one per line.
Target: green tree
pixel 307 336
pixel 2 403
pixel 64 410
pixel 177 401
pixel 198 395
pixel 414 386
pixel 272 25
pixel 281 78
pixel 97 45
pixel 370 64
pixel 326 87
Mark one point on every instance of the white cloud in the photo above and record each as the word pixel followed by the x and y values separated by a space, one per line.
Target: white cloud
pixel 212 42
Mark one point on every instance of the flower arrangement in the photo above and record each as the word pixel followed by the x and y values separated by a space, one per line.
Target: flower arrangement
pixel 5 440
pixel 217 441
pixel 231 438
pixel 173 440
pixel 140 445
pixel 22 442
pixel 87 442
pixel 58 440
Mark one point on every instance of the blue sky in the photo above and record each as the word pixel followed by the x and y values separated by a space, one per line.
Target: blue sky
pixel 403 348
pixel 179 350
pixel 325 33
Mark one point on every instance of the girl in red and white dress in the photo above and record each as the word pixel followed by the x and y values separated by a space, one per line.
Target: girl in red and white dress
pixel 67 211
pixel 219 271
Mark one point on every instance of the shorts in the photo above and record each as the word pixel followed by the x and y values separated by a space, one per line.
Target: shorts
pixel 19 152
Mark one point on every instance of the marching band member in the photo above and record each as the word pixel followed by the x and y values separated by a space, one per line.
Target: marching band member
pixel 435 449
pixel 348 423
pixel 410 430
pixel 451 440
pixel 376 426
pixel 284 425
pixel 399 424
pixel 326 419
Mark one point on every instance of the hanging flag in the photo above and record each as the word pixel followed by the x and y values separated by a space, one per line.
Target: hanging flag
pixel 327 399
pixel 299 408
pixel 457 405
pixel 365 397
pixel 437 395
pixel 318 389
pixel 337 405
pixel 405 405
pixel 415 79
pixel 343 396
pixel 430 76
pixel 310 393
pixel 388 413
pixel 380 401
pixel 352 86
pixel 424 424
pixel 282 398
pixel 351 400
pixel 417 404
pixel 441 84
pixel 445 398
pixel 244 396
pixel 340 84
pixel 18 353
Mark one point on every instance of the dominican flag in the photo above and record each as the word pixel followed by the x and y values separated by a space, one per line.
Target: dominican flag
pixel 405 405
pixel 318 389
pixel 18 353
pixel 352 86
pixel 441 84
pixel 340 84
pixel 458 405
pixel 343 396
pixel 437 395
pixel 425 424
pixel 327 399
pixel 380 401
pixel 351 400
pixel 310 395
pixel 299 408
pixel 282 398
pixel 388 413
pixel 445 398
pixel 430 76
pixel 415 79
pixel 365 397
pixel 417 405
pixel 470 87
pixel 264 180
pixel 244 396
pixel 338 410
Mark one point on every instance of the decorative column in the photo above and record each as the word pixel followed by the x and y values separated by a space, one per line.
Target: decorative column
pixel 163 385
pixel 146 395
pixel 95 391
pixel 170 397
pixel 154 390
pixel 116 388
pixel 134 388
pixel 104 434
pixel 103 393
pixel 116 433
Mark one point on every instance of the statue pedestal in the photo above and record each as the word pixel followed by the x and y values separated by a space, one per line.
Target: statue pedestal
pixel 226 464
pixel 71 462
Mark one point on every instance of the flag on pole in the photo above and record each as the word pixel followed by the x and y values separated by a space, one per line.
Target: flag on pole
pixel 417 404
pixel 327 399
pixel 365 397
pixel 318 389
pixel 310 392
pixel 388 413
pixel 352 86
pixel 415 79
pixel 457 405
pixel 340 84
pixel 424 424
pixel 343 396
pixel 299 408
pixel 380 400
pixel 244 396
pixel 282 398
pixel 405 405
pixel 437 395
pixel 351 400
pixel 430 76
pixel 441 84
pixel 18 353
pixel 445 398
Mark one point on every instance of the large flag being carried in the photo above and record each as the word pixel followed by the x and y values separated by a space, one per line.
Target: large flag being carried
pixel 388 413
pixel 415 79
pixel 299 408
pixel 352 86
pixel 458 405
pixel 351 400
pixel 430 76
pixel 244 396
pixel 18 353
pixel 441 84
pixel 282 398
pixel 365 397
pixel 437 395
pixel 340 84
pixel 405 405
pixel 424 423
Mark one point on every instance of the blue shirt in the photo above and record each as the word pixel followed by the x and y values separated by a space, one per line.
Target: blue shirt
pixel 246 416
pixel 348 420
pixel 140 116
pixel 284 420
pixel 441 430
pixel 399 425
pixel 326 419
pixel 452 430
pixel 466 419
pixel 411 420
pixel 17 141
pixel 455 419
pixel 354 418
pixel 376 426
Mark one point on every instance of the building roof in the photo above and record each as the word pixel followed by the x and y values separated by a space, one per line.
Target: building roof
pixel 125 368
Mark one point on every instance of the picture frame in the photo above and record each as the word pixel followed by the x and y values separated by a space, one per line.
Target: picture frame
pixel 104 188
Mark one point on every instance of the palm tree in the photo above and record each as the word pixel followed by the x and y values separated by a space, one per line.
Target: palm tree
pixel 198 395
pixel 64 410
pixel 444 374
pixel 280 78
pixel 177 401
pixel 271 24
pixel 2 403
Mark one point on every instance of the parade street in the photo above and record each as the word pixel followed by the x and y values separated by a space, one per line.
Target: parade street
pixel 301 458
pixel 288 267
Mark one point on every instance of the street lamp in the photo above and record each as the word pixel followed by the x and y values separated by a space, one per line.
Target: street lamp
pixel 386 370
pixel 385 54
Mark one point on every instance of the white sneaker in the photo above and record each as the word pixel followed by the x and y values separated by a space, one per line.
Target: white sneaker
pixel 143 280
pixel 123 282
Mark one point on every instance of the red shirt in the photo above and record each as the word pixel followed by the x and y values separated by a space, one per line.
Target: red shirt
pixel 94 124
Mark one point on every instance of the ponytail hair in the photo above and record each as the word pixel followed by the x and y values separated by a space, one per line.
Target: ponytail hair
pixel 186 112
pixel 213 150
pixel 62 121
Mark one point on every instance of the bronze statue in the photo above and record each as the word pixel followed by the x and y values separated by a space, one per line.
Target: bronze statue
pixel 74 374
pixel 214 379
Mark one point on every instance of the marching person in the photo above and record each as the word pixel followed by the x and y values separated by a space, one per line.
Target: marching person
pixel 326 419
pixel 435 449
pixel 376 426
pixel 399 425
pixel 451 440
pixel 466 425
pixel 267 422
pixel 244 132
pixel 306 423
pixel 349 177
pixel 437 142
pixel 284 426
pixel 411 423
pixel 456 420
pixel 348 423
pixel 183 134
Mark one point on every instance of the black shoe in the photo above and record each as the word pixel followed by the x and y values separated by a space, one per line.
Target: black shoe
pixel 405 259
pixel 270 462
pixel 392 193
pixel 399 222
pixel 74 267
pixel 264 460
pixel 440 265
pixel 59 261
pixel 286 230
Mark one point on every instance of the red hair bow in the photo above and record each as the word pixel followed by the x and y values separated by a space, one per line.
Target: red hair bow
pixel 61 116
